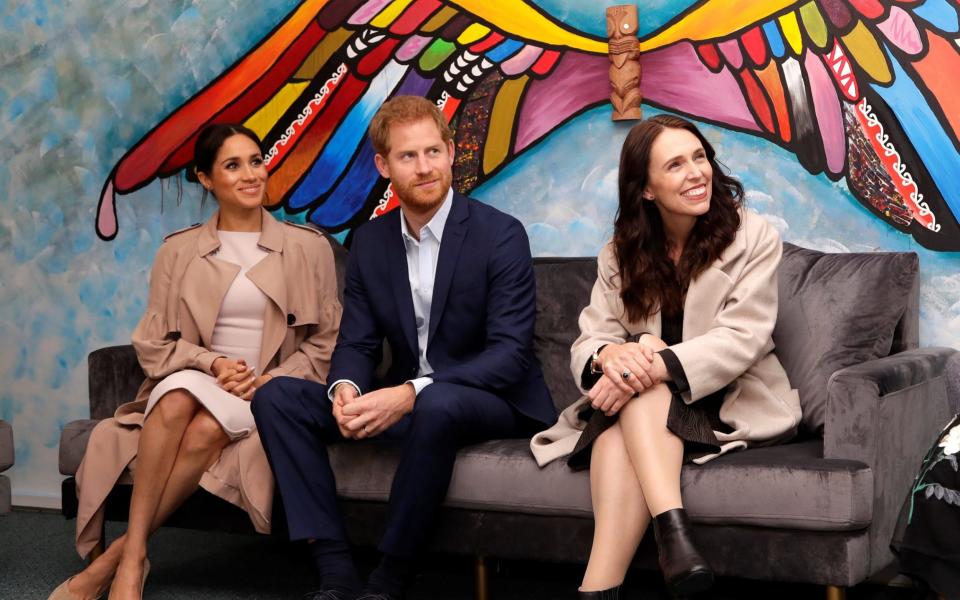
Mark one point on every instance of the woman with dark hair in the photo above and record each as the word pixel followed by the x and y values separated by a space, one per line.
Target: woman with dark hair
pixel 232 303
pixel 675 353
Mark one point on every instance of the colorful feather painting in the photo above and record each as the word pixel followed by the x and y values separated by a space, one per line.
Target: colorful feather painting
pixel 853 88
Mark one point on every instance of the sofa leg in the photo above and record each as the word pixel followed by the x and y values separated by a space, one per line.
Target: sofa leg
pixel 480 574
pixel 836 593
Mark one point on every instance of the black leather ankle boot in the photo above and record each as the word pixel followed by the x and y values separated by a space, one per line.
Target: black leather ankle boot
pixel 684 570
pixel 611 594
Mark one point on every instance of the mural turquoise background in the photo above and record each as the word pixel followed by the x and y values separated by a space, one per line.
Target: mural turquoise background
pixel 81 82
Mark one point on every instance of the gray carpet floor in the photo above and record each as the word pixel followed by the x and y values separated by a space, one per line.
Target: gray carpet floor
pixel 36 554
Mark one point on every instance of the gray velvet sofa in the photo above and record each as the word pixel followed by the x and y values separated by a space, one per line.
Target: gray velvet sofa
pixel 820 509
pixel 6 461
pixel 953 383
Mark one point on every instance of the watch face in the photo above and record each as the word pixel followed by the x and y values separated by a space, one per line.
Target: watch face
pixel 595 367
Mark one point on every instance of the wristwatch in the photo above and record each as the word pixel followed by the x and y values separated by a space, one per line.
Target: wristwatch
pixel 596 367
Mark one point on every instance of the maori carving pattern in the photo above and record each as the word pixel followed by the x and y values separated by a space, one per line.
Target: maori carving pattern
pixel 622 23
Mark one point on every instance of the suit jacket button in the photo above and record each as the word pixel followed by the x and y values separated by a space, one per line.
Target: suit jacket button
pixel 291 319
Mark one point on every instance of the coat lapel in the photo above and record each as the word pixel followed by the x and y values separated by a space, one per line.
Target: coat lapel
pixel 703 303
pixel 202 302
pixel 269 276
pixel 708 291
pixel 400 280
pixel 454 233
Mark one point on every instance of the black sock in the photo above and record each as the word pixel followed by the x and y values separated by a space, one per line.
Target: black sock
pixel 335 565
pixel 391 575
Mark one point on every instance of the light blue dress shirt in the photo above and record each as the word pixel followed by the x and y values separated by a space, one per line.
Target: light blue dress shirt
pixel 422 258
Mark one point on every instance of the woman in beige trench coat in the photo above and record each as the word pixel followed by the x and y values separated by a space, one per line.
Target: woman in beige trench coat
pixel 232 303
pixel 675 353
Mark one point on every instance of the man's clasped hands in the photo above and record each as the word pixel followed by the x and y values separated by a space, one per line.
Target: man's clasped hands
pixel 362 416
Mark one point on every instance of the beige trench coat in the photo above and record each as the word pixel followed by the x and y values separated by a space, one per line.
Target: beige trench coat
pixel 728 319
pixel 187 284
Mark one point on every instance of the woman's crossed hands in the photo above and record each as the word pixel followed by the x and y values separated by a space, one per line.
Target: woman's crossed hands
pixel 628 369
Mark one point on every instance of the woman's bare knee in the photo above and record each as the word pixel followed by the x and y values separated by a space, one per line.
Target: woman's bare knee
pixel 610 439
pixel 176 407
pixel 610 452
pixel 651 403
pixel 203 434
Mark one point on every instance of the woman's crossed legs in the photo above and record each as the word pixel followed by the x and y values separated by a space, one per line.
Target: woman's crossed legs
pixel 634 473
pixel 179 441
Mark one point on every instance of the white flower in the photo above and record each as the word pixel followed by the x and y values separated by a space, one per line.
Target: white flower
pixel 951 441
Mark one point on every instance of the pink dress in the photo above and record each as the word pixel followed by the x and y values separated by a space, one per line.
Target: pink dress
pixel 237 334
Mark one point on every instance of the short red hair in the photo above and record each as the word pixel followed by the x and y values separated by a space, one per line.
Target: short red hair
pixel 404 109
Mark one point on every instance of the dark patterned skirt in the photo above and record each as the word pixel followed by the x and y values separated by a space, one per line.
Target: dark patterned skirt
pixel 927 539
pixel 693 423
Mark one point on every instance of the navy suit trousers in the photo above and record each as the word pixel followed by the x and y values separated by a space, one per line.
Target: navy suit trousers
pixel 296 424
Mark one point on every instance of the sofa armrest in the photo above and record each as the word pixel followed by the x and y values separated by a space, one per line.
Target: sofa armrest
pixel 6 446
pixel 885 413
pixel 73 444
pixel 114 378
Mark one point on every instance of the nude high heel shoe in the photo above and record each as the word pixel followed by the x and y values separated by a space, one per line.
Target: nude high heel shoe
pixel 146 571
pixel 62 592
pixel 143 578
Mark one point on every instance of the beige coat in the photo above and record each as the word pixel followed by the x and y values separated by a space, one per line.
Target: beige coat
pixel 187 284
pixel 729 314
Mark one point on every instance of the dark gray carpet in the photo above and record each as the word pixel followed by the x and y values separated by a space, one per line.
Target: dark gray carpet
pixel 36 554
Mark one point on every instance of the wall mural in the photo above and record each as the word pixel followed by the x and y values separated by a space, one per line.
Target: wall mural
pixel 853 88
pixel 834 114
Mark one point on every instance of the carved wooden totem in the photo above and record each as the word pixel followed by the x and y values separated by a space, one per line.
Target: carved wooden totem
pixel 622 23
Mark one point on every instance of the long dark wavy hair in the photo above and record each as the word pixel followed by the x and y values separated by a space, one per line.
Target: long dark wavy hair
pixel 650 281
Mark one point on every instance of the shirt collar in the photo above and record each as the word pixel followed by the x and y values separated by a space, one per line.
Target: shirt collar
pixel 436 224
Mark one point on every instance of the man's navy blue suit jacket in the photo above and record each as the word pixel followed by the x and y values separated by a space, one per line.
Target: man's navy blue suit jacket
pixel 481 317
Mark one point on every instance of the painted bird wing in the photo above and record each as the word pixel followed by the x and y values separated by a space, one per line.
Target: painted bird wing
pixel 859 89
pixel 505 73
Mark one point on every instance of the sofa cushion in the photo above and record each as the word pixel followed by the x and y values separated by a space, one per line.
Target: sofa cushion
pixel 563 289
pixel 789 485
pixel 6 446
pixel 759 487
pixel 837 310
